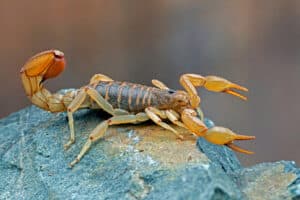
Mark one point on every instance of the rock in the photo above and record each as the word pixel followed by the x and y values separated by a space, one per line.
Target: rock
pixel 130 162
pixel 270 181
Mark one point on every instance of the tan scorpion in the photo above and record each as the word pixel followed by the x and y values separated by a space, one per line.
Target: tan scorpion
pixel 128 102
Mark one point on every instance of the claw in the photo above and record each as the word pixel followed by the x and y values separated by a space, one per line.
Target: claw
pixel 218 84
pixel 216 135
pixel 235 94
pixel 224 136
pixel 239 149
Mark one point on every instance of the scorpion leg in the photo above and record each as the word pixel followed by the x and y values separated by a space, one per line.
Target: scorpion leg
pixel 100 130
pixel 211 83
pixel 200 113
pixel 155 114
pixel 118 111
pixel 174 118
pixel 75 104
pixel 160 113
pixel 78 101
pixel 159 84
pixel 102 103
pixel 216 135
pixel 99 77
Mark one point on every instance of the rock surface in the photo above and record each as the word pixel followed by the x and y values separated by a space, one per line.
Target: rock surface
pixel 130 162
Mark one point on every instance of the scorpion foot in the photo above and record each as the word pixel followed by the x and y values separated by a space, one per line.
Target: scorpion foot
pixel 69 144
pixel 74 162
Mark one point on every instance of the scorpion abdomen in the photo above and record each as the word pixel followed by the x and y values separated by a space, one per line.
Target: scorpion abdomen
pixel 133 97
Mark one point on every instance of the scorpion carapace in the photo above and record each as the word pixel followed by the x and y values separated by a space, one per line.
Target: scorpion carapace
pixel 129 102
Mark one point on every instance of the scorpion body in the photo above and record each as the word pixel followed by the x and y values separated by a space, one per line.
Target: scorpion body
pixel 128 102
pixel 135 98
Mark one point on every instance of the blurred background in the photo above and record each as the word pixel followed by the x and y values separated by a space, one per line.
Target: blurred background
pixel 254 43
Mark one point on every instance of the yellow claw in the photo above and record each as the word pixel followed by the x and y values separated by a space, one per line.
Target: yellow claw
pixel 239 149
pixel 218 84
pixel 216 135
pixel 224 136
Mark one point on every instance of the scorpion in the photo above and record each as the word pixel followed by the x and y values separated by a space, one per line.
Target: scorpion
pixel 129 103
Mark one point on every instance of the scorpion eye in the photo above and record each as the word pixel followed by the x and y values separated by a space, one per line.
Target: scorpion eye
pixel 171 91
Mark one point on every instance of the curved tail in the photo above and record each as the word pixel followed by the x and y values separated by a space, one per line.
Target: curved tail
pixel 42 66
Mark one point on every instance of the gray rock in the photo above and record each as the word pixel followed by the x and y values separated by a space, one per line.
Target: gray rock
pixel 130 162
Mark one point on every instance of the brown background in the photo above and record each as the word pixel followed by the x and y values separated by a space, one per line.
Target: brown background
pixel 254 43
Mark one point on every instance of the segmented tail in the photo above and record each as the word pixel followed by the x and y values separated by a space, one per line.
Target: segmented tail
pixel 42 66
